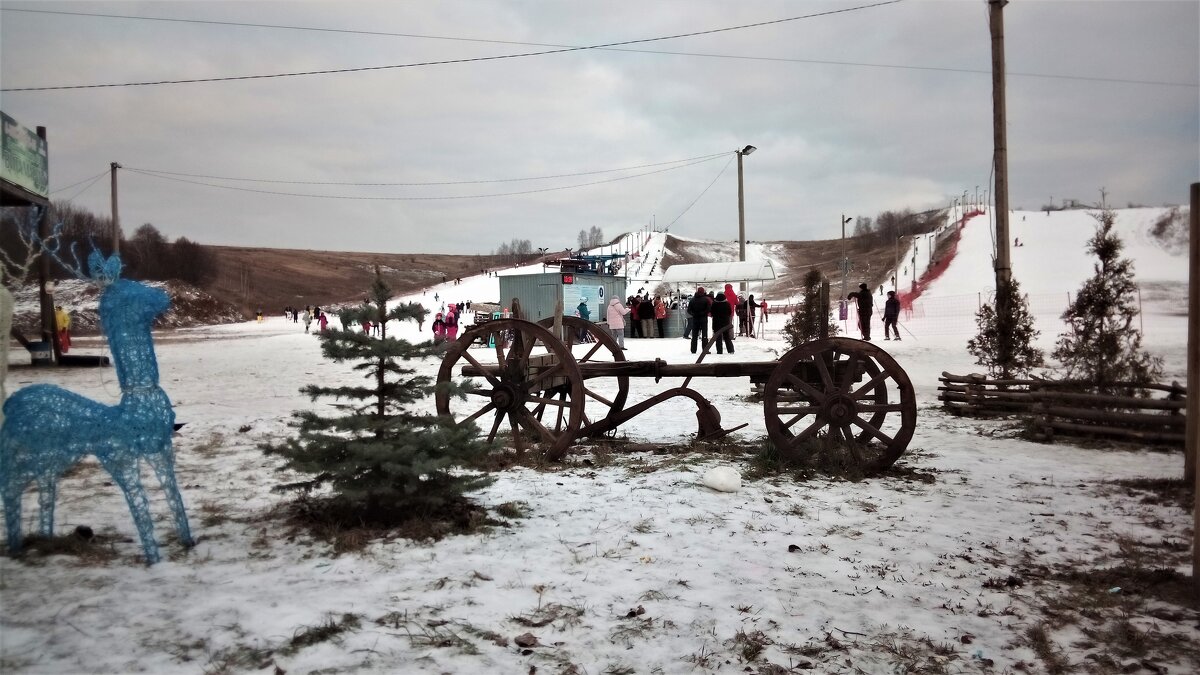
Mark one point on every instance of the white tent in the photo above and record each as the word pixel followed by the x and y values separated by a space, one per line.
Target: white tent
pixel 720 273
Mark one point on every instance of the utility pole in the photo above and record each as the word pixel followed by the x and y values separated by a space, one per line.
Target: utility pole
pixel 845 262
pixel 45 301
pixel 1000 142
pixel 1103 198
pixel 742 208
pixel 1192 437
pixel 116 218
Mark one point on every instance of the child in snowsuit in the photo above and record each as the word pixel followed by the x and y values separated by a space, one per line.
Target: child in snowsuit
pixel 62 321
pixel 307 317
pixel 439 329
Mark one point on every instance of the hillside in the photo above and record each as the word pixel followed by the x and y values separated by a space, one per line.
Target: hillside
pixel 272 278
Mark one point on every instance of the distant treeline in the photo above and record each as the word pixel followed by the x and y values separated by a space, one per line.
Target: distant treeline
pixel 147 255
pixel 889 226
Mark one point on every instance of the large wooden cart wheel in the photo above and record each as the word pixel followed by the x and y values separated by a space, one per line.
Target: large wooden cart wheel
pixel 604 396
pixel 523 383
pixel 851 390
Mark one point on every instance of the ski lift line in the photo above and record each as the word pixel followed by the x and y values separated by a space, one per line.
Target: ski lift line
pixel 498 57
pixel 456 182
pixel 415 199
pixel 689 206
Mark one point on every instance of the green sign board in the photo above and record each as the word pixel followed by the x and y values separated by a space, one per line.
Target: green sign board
pixel 26 158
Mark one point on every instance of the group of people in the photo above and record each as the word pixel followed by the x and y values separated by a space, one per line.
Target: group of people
pixel 866 305
pixel 644 312
pixel 721 306
pixel 308 315
pixel 445 324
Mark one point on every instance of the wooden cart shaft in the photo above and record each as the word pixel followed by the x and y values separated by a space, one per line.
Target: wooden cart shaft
pixel 757 371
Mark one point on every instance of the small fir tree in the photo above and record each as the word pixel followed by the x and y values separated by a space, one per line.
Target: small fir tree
pixel 1102 344
pixel 1004 343
pixel 805 323
pixel 382 463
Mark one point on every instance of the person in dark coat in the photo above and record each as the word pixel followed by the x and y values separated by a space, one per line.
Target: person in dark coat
pixel 646 316
pixel 698 309
pixel 751 311
pixel 865 306
pixel 722 317
pixel 635 317
pixel 891 314
pixel 741 315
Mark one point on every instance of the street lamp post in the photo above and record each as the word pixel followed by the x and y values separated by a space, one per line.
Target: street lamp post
pixel 742 207
pixel 845 260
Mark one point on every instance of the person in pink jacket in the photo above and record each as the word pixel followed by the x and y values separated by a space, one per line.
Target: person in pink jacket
pixel 616 320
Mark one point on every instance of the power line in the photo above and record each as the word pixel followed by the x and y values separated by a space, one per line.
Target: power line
pixel 456 61
pixel 403 199
pixel 558 48
pixel 80 182
pixel 455 182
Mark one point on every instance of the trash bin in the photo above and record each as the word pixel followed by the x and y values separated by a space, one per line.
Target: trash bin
pixel 41 353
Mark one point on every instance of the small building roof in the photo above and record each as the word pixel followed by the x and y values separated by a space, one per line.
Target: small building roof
pixel 720 272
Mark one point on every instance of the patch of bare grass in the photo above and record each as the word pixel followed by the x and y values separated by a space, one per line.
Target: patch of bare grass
pixel 349 529
pixel 89 551
pixel 327 630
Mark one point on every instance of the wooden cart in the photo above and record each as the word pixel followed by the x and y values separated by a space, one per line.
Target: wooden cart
pixel 554 389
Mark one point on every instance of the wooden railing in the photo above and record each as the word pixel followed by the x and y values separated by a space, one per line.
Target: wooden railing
pixel 1153 413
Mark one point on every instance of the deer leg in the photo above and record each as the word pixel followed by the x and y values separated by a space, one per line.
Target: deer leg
pixel 163 464
pixel 12 516
pixel 47 496
pixel 126 474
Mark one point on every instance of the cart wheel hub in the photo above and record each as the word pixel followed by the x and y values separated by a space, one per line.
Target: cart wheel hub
pixel 840 409
pixel 504 398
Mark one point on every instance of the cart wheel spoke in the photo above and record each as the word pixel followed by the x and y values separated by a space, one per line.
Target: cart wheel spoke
pixel 805 388
pixel 591 352
pixel 479 413
pixel 553 370
pixel 852 445
pixel 792 422
pixel 537 426
pixel 865 390
pixel 482 369
pixel 516 433
pixel 495 426
pixel 598 397
pixel 823 369
pixel 872 430
pixel 810 432
pixel 543 402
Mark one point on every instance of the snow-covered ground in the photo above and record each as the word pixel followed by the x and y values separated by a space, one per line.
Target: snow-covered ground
pixel 625 563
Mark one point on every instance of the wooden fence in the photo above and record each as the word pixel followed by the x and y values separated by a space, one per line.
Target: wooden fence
pixel 1152 413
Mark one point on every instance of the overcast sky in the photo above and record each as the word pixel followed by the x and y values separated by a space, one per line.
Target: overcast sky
pixel 860 111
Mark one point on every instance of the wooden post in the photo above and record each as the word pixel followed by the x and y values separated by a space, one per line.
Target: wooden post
pixel 45 300
pixel 823 331
pixel 1192 451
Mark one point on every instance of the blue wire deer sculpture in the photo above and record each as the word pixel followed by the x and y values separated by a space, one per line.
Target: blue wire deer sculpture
pixel 48 429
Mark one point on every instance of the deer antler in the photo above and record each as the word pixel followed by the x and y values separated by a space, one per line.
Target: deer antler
pixel 104 271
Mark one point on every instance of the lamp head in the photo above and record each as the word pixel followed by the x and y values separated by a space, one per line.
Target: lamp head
pixel 748 149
